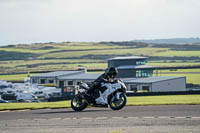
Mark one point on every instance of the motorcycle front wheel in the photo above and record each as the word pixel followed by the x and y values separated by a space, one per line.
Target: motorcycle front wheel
pixel 117 104
pixel 78 103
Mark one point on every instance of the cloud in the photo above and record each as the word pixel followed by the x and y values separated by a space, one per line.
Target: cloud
pixel 96 20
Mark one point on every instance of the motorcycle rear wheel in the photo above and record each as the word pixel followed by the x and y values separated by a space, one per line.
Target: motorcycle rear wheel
pixel 78 103
pixel 117 104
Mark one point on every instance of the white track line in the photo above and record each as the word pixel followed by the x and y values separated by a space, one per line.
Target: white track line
pixel 99 118
pixel 103 118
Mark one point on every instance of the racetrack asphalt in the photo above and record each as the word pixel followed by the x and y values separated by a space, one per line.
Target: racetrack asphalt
pixel 163 118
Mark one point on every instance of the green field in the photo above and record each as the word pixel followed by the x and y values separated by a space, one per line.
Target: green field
pixel 122 51
pixel 18 77
pixel 131 101
pixel 180 71
pixel 93 55
pixel 56 56
pixel 178 53
pixel 56 47
pixel 173 64
pixel 190 78
pixel 192 75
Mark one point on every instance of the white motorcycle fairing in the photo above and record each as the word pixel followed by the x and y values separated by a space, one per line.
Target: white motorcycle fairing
pixel 102 99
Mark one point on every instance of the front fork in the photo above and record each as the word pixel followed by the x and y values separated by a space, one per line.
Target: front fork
pixel 117 95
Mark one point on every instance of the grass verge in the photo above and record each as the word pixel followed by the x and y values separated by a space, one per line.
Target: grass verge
pixel 131 101
pixel 41 105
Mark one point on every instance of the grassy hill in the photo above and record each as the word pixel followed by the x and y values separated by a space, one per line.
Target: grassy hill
pixel 92 55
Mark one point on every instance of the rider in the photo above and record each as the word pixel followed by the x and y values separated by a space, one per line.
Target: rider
pixel 108 76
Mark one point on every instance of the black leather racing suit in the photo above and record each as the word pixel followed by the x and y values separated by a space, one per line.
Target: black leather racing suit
pixel 97 83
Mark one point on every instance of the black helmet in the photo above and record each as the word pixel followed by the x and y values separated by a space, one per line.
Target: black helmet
pixel 112 72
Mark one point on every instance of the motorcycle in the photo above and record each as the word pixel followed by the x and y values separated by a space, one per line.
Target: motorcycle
pixel 110 94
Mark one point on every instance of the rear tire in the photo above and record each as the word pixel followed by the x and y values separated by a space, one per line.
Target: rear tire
pixel 117 104
pixel 78 103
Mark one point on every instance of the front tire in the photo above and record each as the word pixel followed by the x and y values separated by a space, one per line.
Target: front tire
pixel 78 103
pixel 117 104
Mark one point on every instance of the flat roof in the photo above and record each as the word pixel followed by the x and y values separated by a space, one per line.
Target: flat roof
pixel 56 74
pixel 127 58
pixel 83 76
pixel 151 79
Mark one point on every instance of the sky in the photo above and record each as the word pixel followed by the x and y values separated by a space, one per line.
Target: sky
pixel 36 21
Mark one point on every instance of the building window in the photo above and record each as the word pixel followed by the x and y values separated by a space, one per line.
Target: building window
pixel 141 62
pixel 51 81
pixel 144 73
pixel 149 73
pixel 61 84
pixel 133 88
pixel 145 88
pixel 42 81
pixel 138 73
pixel 34 81
pixel 70 82
pixel 78 83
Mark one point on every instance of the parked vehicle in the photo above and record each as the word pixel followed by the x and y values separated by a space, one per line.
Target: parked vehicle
pixel 54 94
pixel 9 94
pixel 4 85
pixel 112 94
pixel 23 97
pixel 40 94
pixel 47 92
pixel 3 101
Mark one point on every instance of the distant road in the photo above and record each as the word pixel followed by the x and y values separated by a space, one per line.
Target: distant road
pixel 173 67
pixel 178 73
pixel 171 118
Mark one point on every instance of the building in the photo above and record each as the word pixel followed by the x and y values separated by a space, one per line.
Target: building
pixel 138 76
pixel 74 80
pixel 51 77
pixel 156 84
pixel 133 70
pixel 131 67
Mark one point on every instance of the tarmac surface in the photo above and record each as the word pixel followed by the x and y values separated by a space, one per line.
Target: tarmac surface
pixel 131 119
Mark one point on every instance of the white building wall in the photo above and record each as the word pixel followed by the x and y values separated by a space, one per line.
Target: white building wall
pixel 178 84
